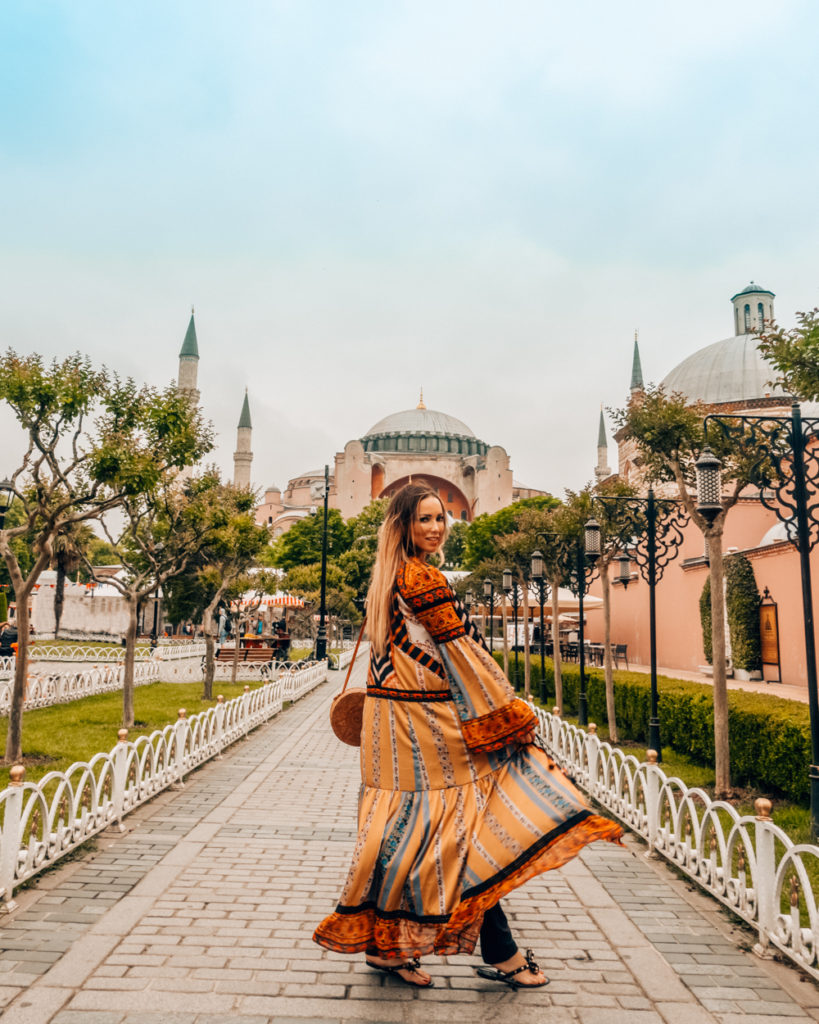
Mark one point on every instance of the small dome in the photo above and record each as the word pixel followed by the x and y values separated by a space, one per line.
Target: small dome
pixel 778 533
pixel 420 421
pixel 732 370
pixel 752 289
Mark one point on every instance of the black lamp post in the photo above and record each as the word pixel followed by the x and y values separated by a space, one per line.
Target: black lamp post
pixel 539 577
pixel 657 528
pixel 489 594
pixel 6 498
pixel 510 588
pixel 787 473
pixel 321 637
pixel 469 600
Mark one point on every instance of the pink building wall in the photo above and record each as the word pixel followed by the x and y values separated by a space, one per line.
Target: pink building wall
pixel 679 633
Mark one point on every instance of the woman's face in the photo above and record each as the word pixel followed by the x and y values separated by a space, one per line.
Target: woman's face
pixel 428 526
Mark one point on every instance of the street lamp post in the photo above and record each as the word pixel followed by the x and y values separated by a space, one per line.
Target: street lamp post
pixel 785 473
pixel 657 527
pixel 321 638
pixel 514 591
pixel 489 594
pixel 538 577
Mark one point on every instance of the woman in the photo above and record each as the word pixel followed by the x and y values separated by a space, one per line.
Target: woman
pixel 457 805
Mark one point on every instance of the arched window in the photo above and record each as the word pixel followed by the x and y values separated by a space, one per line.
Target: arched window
pixel 760 312
pixel 747 318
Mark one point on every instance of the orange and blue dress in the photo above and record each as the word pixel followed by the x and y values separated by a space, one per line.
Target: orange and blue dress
pixel 453 812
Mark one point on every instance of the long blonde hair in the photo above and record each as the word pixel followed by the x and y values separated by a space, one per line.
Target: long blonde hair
pixel 394 548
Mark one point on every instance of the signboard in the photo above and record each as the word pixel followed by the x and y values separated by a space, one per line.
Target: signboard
pixel 769 632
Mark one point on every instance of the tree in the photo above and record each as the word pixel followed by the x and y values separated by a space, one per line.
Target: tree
pixel 92 440
pixel 235 543
pixel 616 528
pixel 455 544
pixel 68 548
pixel 157 534
pixel 743 601
pixel 301 545
pixel 668 433
pixel 479 544
pixel 794 354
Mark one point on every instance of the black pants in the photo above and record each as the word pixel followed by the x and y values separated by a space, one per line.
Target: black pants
pixel 496 939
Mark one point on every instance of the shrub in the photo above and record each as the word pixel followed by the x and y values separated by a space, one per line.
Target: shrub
pixel 705 620
pixel 743 601
pixel 770 736
pixel 4 606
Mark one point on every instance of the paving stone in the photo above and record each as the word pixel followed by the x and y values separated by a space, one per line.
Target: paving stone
pixel 206 908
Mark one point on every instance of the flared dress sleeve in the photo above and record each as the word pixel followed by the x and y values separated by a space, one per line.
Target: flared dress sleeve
pixel 491 715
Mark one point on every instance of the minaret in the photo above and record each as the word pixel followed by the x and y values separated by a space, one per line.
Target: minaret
pixel 753 307
pixel 636 368
pixel 243 456
pixel 602 470
pixel 189 363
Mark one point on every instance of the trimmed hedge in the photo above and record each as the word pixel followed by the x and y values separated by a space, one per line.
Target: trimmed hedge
pixel 743 601
pixel 770 736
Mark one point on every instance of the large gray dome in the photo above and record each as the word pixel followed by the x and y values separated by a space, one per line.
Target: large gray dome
pixel 732 370
pixel 420 421
pixel 422 430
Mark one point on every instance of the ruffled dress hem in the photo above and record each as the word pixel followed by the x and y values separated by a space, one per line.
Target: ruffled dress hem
pixel 396 933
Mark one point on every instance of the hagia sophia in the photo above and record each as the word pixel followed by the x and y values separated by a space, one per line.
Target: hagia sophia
pixel 471 476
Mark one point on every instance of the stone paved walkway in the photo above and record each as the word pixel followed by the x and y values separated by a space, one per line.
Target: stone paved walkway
pixel 202 913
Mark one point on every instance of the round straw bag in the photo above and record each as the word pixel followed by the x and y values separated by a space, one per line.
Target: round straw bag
pixel 347 709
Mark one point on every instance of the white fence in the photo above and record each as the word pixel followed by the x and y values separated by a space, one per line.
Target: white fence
pixel 44 821
pixel 88 652
pixel 45 689
pixel 746 862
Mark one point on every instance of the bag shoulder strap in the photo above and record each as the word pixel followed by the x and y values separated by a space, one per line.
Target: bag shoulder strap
pixel 355 654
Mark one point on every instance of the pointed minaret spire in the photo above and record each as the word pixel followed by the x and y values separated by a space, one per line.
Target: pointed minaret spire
pixel 243 456
pixel 421 401
pixel 244 417
pixel 636 368
pixel 602 470
pixel 189 363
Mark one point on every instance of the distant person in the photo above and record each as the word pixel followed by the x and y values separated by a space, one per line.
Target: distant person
pixel 222 625
pixel 8 636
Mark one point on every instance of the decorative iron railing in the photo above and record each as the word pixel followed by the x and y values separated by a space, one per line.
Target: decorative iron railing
pixel 746 862
pixel 43 821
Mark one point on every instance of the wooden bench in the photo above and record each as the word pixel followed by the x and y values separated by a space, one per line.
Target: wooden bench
pixel 247 655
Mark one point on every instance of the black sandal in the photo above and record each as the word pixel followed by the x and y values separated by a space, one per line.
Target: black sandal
pixel 411 966
pixel 508 977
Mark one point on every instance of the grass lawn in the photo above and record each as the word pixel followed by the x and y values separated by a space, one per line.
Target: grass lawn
pixel 54 738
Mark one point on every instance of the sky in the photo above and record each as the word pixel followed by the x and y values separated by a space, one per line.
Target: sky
pixel 365 197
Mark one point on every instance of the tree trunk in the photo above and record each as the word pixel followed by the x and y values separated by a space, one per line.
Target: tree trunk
pixel 504 627
pixel 555 585
pixel 722 754
pixel 607 666
pixel 210 645
pixel 527 668
pixel 14 736
pixel 59 596
pixel 128 664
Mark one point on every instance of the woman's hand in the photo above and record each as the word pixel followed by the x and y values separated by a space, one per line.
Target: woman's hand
pixel 526 738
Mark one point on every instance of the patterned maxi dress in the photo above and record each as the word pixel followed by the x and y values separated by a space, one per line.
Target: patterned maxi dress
pixel 453 814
